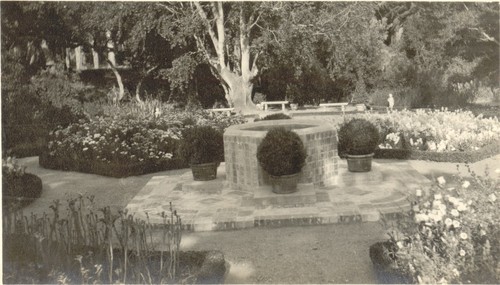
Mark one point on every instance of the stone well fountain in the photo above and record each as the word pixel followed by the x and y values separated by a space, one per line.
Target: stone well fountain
pixel 243 171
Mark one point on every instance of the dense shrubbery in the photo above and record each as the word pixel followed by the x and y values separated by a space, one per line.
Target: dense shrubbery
pixel 31 107
pixel 449 156
pixel 438 130
pixel 451 235
pixel 114 141
pixel 277 116
pixel 281 152
pixel 16 183
pixel 130 134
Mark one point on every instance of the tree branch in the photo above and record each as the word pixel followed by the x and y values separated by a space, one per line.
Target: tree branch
pixel 254 22
pixel 255 61
pixel 138 87
pixel 219 21
pixel 199 44
pixel 486 37
pixel 209 27
pixel 271 31
pixel 121 89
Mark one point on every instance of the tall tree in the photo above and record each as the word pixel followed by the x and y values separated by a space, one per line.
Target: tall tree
pixel 231 47
pixel 438 36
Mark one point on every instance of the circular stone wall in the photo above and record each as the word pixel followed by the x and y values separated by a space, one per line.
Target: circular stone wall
pixel 243 171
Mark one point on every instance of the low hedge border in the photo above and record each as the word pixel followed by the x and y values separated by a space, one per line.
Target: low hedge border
pixel 107 169
pixel 21 190
pixel 457 157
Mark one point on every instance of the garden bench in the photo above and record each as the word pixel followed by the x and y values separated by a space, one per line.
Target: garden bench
pixel 282 103
pixel 228 111
pixel 341 105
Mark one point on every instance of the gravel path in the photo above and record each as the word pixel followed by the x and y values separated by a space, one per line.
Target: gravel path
pixel 313 254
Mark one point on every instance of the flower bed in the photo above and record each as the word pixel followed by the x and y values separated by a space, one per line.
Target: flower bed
pixel 438 135
pixel 123 144
pixel 447 156
pixel 450 236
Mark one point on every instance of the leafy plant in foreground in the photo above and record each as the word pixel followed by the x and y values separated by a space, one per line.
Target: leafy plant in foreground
pixel 88 246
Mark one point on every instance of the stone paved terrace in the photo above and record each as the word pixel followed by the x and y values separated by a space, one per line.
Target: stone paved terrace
pixel 213 206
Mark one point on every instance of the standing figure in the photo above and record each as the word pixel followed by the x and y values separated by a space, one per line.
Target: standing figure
pixel 390 100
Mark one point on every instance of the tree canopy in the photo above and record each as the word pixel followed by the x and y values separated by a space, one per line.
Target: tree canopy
pixel 305 51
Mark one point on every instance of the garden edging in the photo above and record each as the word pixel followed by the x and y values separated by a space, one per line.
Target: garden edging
pixel 106 169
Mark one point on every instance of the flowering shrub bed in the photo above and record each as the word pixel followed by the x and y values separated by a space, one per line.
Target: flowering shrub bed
pixel 126 143
pixel 451 235
pixel 414 133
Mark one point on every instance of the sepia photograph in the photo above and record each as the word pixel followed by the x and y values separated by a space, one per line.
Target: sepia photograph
pixel 250 142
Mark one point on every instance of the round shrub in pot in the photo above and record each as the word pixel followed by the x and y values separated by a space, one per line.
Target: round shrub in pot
pixel 203 148
pixel 282 155
pixel 358 140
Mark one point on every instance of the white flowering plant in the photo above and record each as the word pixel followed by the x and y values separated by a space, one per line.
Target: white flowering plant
pixel 131 137
pixel 11 168
pixel 452 233
pixel 437 130
pixel 110 141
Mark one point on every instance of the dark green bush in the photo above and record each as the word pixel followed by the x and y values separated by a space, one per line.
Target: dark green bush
pixel 357 137
pixel 281 152
pixel 18 187
pixel 32 106
pixel 202 144
pixel 26 186
pixel 277 116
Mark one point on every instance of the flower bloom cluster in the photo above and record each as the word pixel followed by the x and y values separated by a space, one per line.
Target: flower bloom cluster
pixel 126 138
pixel 11 168
pixel 451 234
pixel 438 130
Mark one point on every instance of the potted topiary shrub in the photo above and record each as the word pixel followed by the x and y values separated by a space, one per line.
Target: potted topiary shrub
pixel 358 140
pixel 203 148
pixel 282 155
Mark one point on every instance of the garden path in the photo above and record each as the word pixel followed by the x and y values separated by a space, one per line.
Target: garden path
pixel 335 253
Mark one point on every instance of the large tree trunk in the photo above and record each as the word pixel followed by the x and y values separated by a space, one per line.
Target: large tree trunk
pixel 240 92
pixel 236 78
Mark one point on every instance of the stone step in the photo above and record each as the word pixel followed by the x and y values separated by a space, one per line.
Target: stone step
pixel 347 178
pixel 305 195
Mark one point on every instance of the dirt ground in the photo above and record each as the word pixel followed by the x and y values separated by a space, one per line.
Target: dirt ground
pixel 294 255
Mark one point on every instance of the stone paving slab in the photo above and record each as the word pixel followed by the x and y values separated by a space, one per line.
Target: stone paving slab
pixel 357 198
